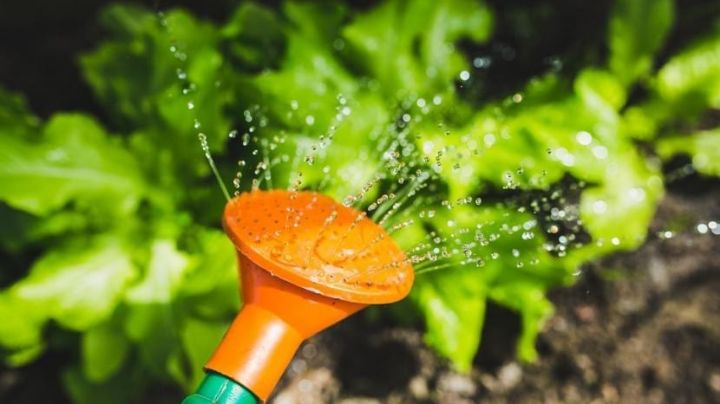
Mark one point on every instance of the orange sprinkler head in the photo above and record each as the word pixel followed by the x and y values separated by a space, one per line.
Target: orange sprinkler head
pixel 306 263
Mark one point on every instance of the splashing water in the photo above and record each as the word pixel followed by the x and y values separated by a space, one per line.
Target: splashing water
pixel 404 194
pixel 397 196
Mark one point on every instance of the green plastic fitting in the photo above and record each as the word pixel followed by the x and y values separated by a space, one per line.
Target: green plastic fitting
pixel 218 389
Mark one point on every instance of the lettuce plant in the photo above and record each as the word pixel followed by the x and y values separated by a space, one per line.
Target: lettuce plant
pixel 113 228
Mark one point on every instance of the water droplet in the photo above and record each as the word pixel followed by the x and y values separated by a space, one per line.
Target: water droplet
pixel 599 206
pixel 482 62
pixel 584 138
pixel 600 152
pixel 665 235
pixel 489 139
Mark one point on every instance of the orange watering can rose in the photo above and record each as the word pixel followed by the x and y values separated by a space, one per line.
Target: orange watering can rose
pixel 306 263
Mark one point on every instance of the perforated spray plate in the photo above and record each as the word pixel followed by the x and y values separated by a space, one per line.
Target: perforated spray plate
pixel 312 241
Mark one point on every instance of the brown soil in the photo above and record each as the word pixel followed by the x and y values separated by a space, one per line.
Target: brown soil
pixel 638 327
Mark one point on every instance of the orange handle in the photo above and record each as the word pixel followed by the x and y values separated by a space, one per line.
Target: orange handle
pixel 256 350
pixel 267 332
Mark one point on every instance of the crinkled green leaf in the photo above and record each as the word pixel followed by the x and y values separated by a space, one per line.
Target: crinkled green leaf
pixel 130 73
pixel 637 31
pixel 703 148
pixel 308 94
pixel 163 277
pixel 453 303
pixel 410 46
pixel 167 76
pixel 75 160
pixel 78 286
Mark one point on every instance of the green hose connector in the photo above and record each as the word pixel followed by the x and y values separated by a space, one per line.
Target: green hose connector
pixel 218 389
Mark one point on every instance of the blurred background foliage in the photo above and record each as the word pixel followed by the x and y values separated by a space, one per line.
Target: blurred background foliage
pixel 545 124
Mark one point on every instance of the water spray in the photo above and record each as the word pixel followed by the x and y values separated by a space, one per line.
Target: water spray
pixel 306 263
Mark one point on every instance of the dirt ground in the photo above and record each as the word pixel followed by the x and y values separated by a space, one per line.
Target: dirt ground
pixel 638 327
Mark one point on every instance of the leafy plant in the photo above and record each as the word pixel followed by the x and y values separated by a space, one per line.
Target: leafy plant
pixel 120 230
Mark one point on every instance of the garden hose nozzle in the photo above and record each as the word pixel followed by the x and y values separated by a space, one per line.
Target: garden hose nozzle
pixel 306 263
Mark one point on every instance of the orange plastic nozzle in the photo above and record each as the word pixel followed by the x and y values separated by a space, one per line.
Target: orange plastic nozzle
pixel 306 263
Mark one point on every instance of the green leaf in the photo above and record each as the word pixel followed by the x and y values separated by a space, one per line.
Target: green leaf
pixel 104 349
pixel 154 328
pixel 600 90
pixel 409 46
pixel 163 277
pixel 528 298
pixel 166 77
pixel 702 147
pixel 254 36
pixel 690 81
pixel 638 29
pixel 131 71
pixel 21 326
pixel 74 160
pixel 453 302
pixel 79 286
pixel 24 355
pixel 503 253
pixel 15 119
pixel 629 194
pixel 213 276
